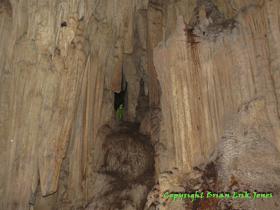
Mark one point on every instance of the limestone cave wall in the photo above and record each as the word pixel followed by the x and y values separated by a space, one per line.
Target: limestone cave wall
pixel 201 98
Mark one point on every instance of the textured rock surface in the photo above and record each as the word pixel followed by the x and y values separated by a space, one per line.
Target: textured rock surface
pixel 127 153
pixel 124 170
pixel 246 159
pixel 57 58
pixel 208 73
pixel 61 62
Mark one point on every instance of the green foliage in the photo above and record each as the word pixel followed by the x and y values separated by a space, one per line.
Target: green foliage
pixel 119 110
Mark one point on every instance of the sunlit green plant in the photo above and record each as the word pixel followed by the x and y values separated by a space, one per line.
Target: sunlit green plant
pixel 119 110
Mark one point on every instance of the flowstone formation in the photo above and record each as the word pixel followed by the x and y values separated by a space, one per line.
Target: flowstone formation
pixel 201 81
pixel 246 162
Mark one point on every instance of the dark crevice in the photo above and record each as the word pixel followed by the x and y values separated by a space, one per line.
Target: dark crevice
pixel 119 97
pixel 63 24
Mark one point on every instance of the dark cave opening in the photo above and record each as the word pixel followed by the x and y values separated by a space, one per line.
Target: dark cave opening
pixel 119 102
pixel 119 99
pixel 63 24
